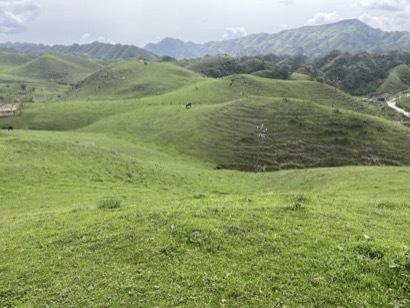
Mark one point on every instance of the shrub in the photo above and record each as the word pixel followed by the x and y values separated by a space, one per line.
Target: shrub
pixel 110 203
pixel 298 202
pixel 385 204
pixel 367 251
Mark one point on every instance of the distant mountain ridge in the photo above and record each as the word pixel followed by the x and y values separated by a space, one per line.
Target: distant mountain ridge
pixel 108 52
pixel 350 35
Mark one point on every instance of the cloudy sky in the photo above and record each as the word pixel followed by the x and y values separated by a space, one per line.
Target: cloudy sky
pixel 141 21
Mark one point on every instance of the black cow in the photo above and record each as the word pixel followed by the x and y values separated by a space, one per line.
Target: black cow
pixel 188 106
pixel 10 128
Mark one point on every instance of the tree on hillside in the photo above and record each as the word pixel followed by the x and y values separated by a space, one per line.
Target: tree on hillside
pixel 284 71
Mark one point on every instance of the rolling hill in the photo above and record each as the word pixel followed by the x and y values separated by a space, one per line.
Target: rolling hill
pixel 10 60
pixel 397 81
pixel 107 52
pixel 133 79
pixel 182 234
pixel 348 35
pixel 302 134
pixel 58 68
pixel 28 78
pixel 312 124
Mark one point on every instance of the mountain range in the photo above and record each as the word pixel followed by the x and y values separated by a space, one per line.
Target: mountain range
pixel 350 35
pixel 108 52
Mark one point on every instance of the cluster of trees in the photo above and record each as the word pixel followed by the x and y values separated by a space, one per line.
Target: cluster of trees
pixel 221 66
pixel 356 74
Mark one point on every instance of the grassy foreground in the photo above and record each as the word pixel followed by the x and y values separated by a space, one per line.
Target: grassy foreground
pixel 187 235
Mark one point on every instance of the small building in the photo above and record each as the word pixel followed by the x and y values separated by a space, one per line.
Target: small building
pixel 9 110
pixel 383 97
pixel 377 97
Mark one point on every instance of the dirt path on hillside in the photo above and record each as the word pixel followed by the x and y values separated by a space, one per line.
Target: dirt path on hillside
pixel 393 104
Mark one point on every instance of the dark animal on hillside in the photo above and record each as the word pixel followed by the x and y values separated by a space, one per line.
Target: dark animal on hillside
pixel 188 106
pixel 10 128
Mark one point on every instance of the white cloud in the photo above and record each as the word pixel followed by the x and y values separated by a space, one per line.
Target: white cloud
pixel 379 22
pixel 15 14
pixel 103 39
pixel 234 32
pixel 324 18
pixel 398 22
pixel 85 37
pixel 383 5
pixel 287 2
pixel 386 14
pixel 283 26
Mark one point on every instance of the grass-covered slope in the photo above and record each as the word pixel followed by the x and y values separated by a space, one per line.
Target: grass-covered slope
pixel 301 134
pixel 404 101
pixel 310 124
pixel 199 91
pixel 129 79
pixel 397 81
pixel 13 59
pixel 186 235
pixel 29 78
pixel 58 68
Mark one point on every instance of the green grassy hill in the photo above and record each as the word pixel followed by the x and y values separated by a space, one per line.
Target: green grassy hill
pixel 119 196
pixel 29 78
pixel 187 235
pixel 75 114
pixel 404 101
pixel 58 68
pixel 129 79
pixel 301 134
pixel 310 124
pixel 10 60
pixel 398 80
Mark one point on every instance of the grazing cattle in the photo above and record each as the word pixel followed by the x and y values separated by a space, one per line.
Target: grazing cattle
pixel 188 106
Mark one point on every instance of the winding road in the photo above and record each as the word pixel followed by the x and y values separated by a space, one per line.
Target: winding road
pixel 393 104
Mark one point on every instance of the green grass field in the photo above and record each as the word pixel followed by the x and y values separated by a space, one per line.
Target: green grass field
pixel 404 101
pixel 43 77
pixel 397 81
pixel 118 196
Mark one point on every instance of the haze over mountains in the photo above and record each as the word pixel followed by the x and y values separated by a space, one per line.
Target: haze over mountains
pixel 109 52
pixel 350 35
